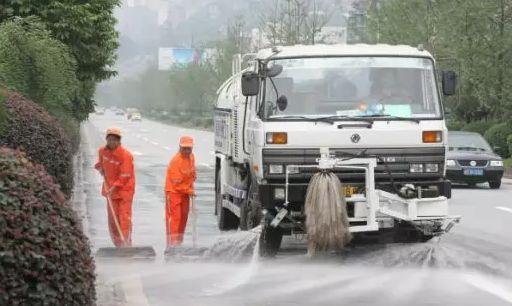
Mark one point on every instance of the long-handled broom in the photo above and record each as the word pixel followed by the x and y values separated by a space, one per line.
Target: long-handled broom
pixel 124 251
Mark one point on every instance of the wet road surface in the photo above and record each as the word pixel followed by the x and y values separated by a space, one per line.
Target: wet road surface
pixel 472 265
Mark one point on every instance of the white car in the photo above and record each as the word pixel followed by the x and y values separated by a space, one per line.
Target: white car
pixel 136 117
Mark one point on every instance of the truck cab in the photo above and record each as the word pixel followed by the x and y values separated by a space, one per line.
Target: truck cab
pixel 357 101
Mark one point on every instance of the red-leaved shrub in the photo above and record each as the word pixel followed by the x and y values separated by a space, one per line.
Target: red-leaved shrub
pixel 45 258
pixel 32 129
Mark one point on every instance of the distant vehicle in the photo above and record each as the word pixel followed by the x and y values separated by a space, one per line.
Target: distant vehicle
pixel 100 111
pixel 120 112
pixel 471 160
pixel 130 112
pixel 136 117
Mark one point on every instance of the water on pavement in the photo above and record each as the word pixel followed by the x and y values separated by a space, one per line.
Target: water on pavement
pixel 472 265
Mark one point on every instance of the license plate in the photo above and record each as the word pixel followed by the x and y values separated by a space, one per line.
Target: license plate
pixel 474 172
pixel 348 191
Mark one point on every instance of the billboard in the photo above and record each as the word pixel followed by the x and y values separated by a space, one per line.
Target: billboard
pixel 171 57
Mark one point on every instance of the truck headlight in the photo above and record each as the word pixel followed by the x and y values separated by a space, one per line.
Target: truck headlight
pixel 450 163
pixel 416 168
pixel 279 193
pixel 276 169
pixel 432 136
pixel 431 168
pixel 496 163
pixel 277 138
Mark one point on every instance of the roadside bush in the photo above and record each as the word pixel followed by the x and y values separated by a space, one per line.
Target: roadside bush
pixel 509 142
pixel 454 125
pixel 45 258
pixel 30 128
pixel 479 127
pixel 497 137
pixel 3 115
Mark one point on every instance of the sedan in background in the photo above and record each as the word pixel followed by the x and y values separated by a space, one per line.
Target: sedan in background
pixel 471 160
pixel 136 117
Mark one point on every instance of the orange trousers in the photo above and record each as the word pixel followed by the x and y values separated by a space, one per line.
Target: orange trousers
pixel 123 211
pixel 176 216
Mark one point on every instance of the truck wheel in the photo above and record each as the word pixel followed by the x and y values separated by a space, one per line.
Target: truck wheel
pixel 250 212
pixel 270 240
pixel 225 218
pixel 495 184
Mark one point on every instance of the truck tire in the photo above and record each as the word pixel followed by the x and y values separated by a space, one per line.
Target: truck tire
pixel 270 240
pixel 495 184
pixel 226 220
pixel 250 212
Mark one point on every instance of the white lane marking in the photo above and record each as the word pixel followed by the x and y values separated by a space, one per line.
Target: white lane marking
pixel 489 286
pixel 136 153
pixel 504 209
pixel 154 143
pixel 134 293
pixel 145 138
pixel 168 148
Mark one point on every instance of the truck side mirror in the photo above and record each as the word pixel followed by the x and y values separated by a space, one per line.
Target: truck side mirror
pixel 250 84
pixel 282 103
pixel 449 83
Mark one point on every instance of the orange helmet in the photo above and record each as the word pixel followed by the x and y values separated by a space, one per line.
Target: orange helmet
pixel 114 131
pixel 186 142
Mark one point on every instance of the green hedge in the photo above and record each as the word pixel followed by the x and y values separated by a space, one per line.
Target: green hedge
pixel 509 142
pixel 32 129
pixel 479 127
pixel 497 137
pixel 45 259
pixel 454 125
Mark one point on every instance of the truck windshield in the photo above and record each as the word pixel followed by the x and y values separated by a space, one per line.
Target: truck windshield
pixel 394 87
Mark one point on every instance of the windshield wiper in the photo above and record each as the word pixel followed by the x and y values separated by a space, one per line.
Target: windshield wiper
pixel 391 117
pixel 332 119
pixel 298 117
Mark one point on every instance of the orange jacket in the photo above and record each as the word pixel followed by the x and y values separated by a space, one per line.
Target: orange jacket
pixel 117 166
pixel 181 174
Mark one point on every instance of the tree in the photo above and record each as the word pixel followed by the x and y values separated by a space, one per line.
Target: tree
pixel 290 22
pixel 470 36
pixel 87 27
pixel 37 65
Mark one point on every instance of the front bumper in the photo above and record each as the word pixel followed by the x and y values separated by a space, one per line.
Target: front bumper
pixel 456 175
pixel 297 191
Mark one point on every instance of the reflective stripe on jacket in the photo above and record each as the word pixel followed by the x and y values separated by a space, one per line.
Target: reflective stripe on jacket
pixel 181 174
pixel 117 166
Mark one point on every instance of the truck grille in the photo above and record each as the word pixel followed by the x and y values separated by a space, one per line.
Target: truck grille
pixel 397 161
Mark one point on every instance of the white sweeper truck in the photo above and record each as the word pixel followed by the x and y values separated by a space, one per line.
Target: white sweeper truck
pixel 372 115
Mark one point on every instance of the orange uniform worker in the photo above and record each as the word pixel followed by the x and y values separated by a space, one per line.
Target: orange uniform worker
pixel 179 187
pixel 115 164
